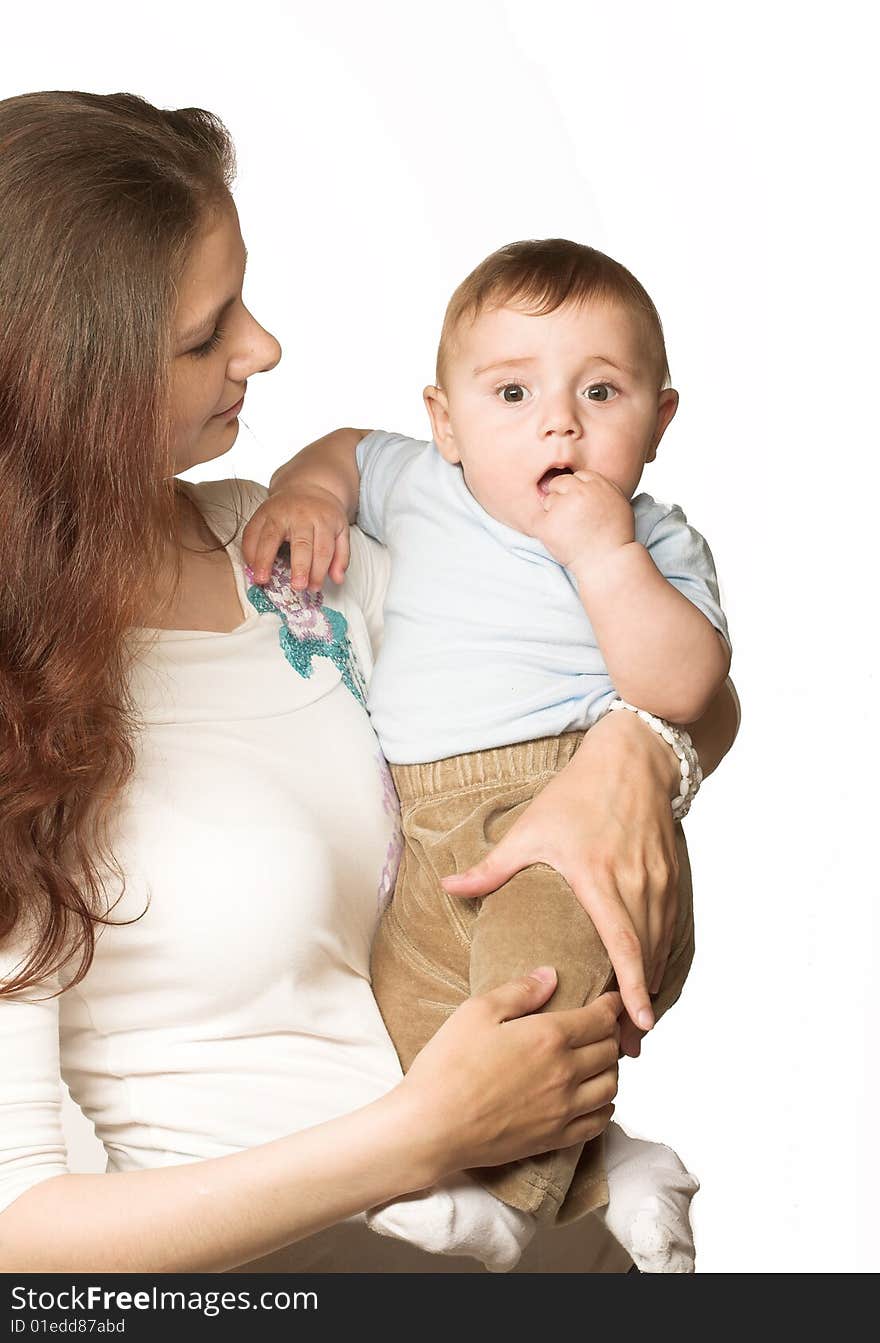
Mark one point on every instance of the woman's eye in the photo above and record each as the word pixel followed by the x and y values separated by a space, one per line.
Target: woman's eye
pixel 603 391
pixel 210 344
pixel 513 393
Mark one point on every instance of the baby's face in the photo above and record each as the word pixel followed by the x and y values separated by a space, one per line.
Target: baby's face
pixel 528 397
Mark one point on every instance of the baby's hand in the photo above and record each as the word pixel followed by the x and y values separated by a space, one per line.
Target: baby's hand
pixel 313 520
pixel 588 517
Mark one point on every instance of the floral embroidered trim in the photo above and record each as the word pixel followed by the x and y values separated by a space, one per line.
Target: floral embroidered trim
pixel 309 629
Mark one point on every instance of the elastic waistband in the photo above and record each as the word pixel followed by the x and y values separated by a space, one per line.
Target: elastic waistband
pixel 501 764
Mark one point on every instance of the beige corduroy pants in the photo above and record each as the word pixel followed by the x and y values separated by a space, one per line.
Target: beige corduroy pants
pixel 433 950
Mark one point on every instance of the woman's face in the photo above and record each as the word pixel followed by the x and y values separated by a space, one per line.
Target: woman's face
pixel 217 345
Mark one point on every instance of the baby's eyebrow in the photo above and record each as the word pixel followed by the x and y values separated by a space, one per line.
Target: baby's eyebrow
pixel 613 363
pixel 505 363
pixel 530 359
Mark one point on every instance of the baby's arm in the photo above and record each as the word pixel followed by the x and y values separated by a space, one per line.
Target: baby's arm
pixel 312 500
pixel 661 651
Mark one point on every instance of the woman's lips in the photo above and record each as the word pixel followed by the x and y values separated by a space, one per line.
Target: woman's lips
pixel 230 412
pixel 549 475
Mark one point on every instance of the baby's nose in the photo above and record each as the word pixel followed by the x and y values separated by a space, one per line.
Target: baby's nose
pixel 560 420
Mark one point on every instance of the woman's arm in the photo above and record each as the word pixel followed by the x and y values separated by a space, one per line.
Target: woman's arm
pixel 605 823
pixel 491 1086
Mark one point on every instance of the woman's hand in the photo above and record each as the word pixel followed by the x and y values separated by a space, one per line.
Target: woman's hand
pixel 495 1085
pixel 605 824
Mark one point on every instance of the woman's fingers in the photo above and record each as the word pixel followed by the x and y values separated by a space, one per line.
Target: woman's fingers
pixel 630 1038
pixel 498 1083
pixel 615 928
pixel 518 996
pixel 662 961
pixel 667 905
pixel 591 1061
pixel 595 1091
pixel 508 857
pixel 591 1033
pixel 588 1025
pixel 586 1127
pixel 611 917
pixel 655 955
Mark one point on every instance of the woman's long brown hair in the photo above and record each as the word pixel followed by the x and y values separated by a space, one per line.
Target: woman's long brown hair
pixel 101 198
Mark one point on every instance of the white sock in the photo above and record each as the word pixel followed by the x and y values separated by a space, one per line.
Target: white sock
pixel 649 1194
pixel 458 1217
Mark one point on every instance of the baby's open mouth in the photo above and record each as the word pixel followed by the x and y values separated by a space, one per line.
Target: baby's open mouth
pixel 549 475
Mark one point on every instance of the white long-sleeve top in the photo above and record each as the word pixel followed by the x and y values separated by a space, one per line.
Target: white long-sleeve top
pixel 258 838
pixel 254 835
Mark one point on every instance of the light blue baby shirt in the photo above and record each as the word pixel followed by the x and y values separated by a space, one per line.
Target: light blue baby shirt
pixel 486 642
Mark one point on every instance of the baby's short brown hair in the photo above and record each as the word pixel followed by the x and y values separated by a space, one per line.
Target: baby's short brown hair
pixel 542 275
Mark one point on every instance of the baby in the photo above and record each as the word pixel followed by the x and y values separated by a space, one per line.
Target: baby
pixel 531 590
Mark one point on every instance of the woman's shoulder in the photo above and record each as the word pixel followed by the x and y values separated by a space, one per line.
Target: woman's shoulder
pixel 227 504
pixel 234 494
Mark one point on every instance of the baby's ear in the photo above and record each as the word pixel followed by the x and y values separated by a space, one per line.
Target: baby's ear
pixel 667 405
pixel 437 406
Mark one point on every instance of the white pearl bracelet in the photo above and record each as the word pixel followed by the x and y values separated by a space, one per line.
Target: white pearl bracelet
pixel 679 740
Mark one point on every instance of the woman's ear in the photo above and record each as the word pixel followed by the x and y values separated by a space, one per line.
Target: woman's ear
pixel 437 406
pixel 667 405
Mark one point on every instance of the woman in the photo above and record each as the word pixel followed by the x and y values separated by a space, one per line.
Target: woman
pixel 193 829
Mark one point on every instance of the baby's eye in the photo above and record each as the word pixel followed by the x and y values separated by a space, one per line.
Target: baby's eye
pixel 602 391
pixel 512 392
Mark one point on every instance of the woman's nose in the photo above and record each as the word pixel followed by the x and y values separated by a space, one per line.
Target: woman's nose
pixel 267 352
pixel 259 352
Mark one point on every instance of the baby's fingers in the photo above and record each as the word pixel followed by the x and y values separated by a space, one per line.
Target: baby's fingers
pixel 302 543
pixel 559 484
pixel 330 554
pixel 341 557
pixel 261 540
pixel 323 551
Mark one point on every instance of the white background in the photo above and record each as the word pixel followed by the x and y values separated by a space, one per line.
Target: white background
pixel 725 154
